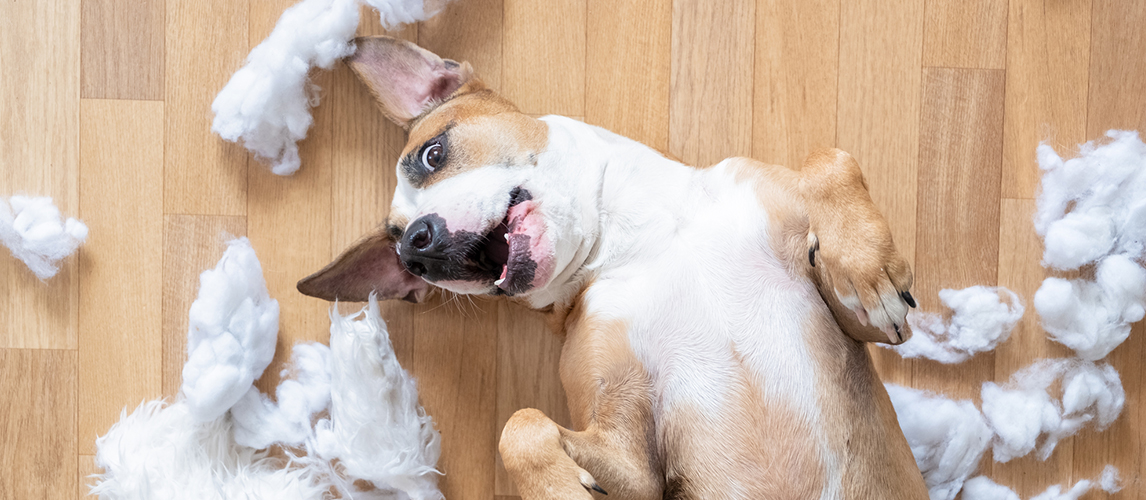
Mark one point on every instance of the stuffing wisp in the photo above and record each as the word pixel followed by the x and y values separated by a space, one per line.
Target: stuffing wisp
pixel 33 231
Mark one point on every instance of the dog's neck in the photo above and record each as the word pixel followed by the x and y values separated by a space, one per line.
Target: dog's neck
pixel 636 194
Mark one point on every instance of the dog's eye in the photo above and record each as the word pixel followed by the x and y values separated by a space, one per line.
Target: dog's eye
pixel 432 156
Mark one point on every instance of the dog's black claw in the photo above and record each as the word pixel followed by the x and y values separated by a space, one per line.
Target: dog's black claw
pixel 812 256
pixel 599 490
pixel 897 333
pixel 908 298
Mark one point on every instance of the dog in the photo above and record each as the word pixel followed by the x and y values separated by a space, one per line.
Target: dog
pixel 714 319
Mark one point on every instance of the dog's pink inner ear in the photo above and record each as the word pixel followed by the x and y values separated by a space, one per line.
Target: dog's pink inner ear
pixel 370 265
pixel 406 79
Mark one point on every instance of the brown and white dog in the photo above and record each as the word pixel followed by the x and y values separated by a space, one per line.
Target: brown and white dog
pixel 714 319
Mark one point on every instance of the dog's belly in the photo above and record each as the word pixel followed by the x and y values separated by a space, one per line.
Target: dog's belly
pixel 735 386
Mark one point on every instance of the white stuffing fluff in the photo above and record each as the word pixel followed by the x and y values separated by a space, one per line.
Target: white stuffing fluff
pixel 33 230
pixel 267 102
pixel 376 429
pixel 946 437
pixel 259 422
pixel 1023 413
pixel 1092 210
pixel 234 325
pixel 979 322
pixel 982 488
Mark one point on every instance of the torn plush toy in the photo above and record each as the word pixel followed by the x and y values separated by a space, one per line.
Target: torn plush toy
pixel 267 102
pixel 33 230
pixel 375 430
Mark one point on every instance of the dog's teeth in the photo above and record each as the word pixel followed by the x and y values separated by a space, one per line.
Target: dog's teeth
pixel 499 282
pixel 506 236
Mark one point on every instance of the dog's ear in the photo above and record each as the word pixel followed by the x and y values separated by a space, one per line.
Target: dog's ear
pixel 369 265
pixel 406 79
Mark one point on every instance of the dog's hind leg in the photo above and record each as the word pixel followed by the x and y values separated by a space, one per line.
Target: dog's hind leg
pixel 609 396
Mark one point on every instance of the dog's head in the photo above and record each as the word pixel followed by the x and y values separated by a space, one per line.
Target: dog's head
pixel 480 207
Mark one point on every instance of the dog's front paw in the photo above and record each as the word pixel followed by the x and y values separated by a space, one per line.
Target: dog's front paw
pixel 868 276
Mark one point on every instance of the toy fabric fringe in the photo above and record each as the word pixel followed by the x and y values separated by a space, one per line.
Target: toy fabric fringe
pixel 267 102
pixel 350 412
pixel 33 230
pixel 1091 212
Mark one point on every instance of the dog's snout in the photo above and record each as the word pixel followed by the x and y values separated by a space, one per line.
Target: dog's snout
pixel 424 245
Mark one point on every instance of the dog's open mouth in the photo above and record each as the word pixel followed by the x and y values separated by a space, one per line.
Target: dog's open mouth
pixel 505 251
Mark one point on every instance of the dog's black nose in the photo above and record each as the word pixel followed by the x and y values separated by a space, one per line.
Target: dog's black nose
pixel 424 246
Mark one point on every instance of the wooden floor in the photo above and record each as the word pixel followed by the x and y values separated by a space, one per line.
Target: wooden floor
pixel 104 105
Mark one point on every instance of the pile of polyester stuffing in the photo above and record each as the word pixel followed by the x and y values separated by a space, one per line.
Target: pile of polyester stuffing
pixel 267 102
pixel 348 412
pixel 35 233
pixel 1092 216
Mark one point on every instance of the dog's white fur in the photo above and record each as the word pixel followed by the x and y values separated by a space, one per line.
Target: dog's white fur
pixel 702 356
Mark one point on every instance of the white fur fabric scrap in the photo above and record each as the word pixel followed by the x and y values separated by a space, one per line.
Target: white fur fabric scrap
pixel 1092 210
pixel 376 430
pixel 982 488
pixel 1024 415
pixel 35 233
pixel 267 102
pixel 233 328
pixel 946 437
pixel 165 452
pixel 980 321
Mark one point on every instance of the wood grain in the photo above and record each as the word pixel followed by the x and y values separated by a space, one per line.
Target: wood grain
pixel 122 49
pixel 704 80
pixel 1048 60
pixel 191 244
pixel 628 44
pixel 1020 250
pixel 203 174
pixel 960 157
pixel 455 361
pixel 544 77
pixel 1117 97
pixel 877 119
pixel 120 317
pixel 528 357
pixel 86 466
pixel 966 34
pixel 797 57
pixel 712 51
pixel 468 31
pixel 39 156
pixel 38 426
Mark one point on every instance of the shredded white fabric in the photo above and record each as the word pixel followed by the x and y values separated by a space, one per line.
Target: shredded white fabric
pixel 980 321
pixel 946 437
pixel 1092 210
pixel 374 430
pixel 33 230
pixel 231 338
pixel 982 488
pixel 267 102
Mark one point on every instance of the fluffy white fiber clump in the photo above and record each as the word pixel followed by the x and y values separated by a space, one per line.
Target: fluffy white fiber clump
pixel 34 231
pixel 980 321
pixel 982 488
pixel 947 438
pixel 1024 415
pixel 267 102
pixel 1092 210
pixel 234 325
pixel 374 428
